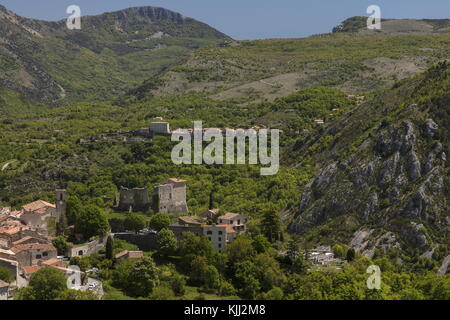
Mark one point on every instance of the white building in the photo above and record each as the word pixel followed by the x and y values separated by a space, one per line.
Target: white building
pixel 236 220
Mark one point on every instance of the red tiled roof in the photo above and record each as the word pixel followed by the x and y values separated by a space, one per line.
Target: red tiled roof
pixel 33 246
pixel 51 262
pixel 31 269
pixel 38 205
pixel 228 228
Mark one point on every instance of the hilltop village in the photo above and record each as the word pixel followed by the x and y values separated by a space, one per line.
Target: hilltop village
pixel 159 127
pixel 27 235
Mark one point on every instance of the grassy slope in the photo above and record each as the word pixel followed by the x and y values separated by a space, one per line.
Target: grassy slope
pixel 347 61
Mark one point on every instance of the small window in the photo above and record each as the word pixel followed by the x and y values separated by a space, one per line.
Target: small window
pixel 209 238
pixel 80 253
pixel 220 245
pixel 220 221
pixel 45 254
pixel 220 232
pixel 38 256
pixel 220 239
pixel 209 232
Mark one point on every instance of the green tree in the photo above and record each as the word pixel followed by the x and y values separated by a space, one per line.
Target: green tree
pixel 121 274
pixel 350 254
pixel 178 284
pixel 339 251
pixel 260 243
pixel 45 284
pixel 275 293
pixel 73 209
pixel 61 245
pixel 271 223
pixel 6 275
pixel 92 221
pixel 70 294
pixel 167 242
pixel 191 246
pixel 159 221
pixel 245 279
pixel 109 248
pixel 300 264
pixel 239 250
pixel 143 278
pixel 162 293
pixel 211 278
pixel 134 222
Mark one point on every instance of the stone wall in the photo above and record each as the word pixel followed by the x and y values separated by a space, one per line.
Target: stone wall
pixel 87 249
pixel 145 242
pixel 171 197
pixel 136 198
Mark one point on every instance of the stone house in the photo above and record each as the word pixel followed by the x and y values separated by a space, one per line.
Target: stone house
pixel 236 220
pixel 34 254
pixel 219 235
pixel 45 215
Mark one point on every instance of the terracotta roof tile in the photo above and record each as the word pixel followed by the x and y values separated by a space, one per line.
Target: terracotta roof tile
pixel 31 269
pixel 228 228
pixel 51 262
pixel 33 246
pixel 36 205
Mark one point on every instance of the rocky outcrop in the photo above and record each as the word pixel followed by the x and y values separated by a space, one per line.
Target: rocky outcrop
pixel 414 235
pixel 394 181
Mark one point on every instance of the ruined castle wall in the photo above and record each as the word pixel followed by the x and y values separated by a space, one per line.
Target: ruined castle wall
pixel 136 198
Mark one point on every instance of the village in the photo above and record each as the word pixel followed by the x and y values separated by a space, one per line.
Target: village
pixel 26 234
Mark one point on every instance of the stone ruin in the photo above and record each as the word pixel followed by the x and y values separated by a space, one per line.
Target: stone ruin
pixel 134 199
pixel 171 197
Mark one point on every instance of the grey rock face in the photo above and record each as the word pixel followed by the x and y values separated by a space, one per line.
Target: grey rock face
pixel 323 180
pixel 413 235
pixel 413 165
pixel 416 207
pixel 372 205
pixel 429 128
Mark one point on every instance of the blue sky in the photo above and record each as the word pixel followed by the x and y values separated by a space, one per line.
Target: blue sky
pixel 248 19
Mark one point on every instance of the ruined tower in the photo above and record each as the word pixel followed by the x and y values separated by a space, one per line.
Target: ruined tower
pixel 61 203
pixel 171 197
pixel 136 199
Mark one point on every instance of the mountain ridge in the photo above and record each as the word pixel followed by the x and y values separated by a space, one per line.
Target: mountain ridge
pixel 112 53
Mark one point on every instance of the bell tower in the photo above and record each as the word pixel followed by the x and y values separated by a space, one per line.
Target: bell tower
pixel 61 203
